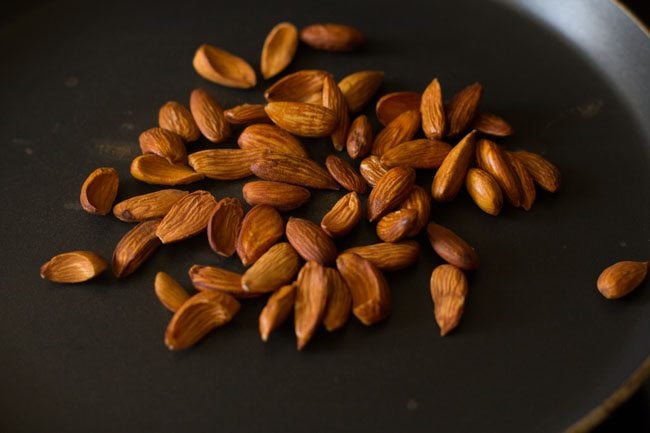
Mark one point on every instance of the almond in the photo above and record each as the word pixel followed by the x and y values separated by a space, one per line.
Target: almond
pixel 282 196
pixel 368 287
pixel 358 88
pixel 420 201
pixel 246 114
pixel 334 100
pixel 388 256
pixel 270 138
pixel 147 206
pixel 462 109
pixel 359 141
pixel 451 247
pixel 171 294
pixel 484 190
pixel 343 217
pixel 293 170
pixel 432 107
pixel 301 86
pixel 621 278
pixel 372 169
pixel 224 164
pixel 491 124
pixel 345 175
pixel 222 67
pixel 450 176
pixel 332 37
pixel 261 228
pixel 277 309
pixel 211 278
pixel 339 302
pixel 310 241
pixel 272 270
pixel 390 192
pixel 279 48
pixel 311 301
pixel 393 104
pixel 224 225
pixel 420 153
pixel 73 267
pixel 492 159
pixel 176 118
pixel 448 291
pixel 209 117
pixel 400 129
pixel 526 182
pixel 303 119
pixel 156 170
pixel 188 217
pixel 99 190
pixel 198 316
pixel 394 226
pixel 135 247
pixel 163 143
pixel 544 173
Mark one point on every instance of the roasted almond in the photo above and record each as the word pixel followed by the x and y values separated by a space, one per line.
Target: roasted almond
pixel 171 294
pixel 390 192
pixel 198 316
pixel 434 122
pixel 300 86
pixel 303 119
pixel 359 141
pixel 135 247
pixel 261 228
pixel 147 206
pixel 212 278
pixel 388 256
pixel 451 247
pixel 343 217
pixel 484 190
pixel 450 176
pixel 358 88
pixel 163 143
pixel 246 114
pixel 310 241
pixel 156 170
pixel 209 117
pixel 494 160
pixel 282 196
pixel 419 153
pixel 621 278
pixel 394 226
pixel 334 100
pixel 339 301
pixel 270 138
pixel 224 225
pixel 279 48
pixel 544 173
pixel 448 291
pixel 420 201
pixel 272 270
pixel 368 287
pixel 400 129
pixel 99 190
pixel 277 309
pixel 222 67
pixel 311 301
pixel 176 118
pixel 332 37
pixel 73 267
pixel 224 164
pixel 345 175
pixel 526 182
pixel 188 217
pixel 294 170
pixel 372 169
pixel 491 124
pixel 462 109
pixel 393 104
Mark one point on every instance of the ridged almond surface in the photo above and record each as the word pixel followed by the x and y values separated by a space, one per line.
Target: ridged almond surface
pixel 390 192
pixel 339 302
pixel 277 309
pixel 343 217
pixel 451 174
pixel 359 141
pixel 332 37
pixel 188 217
pixel 345 175
pixel 176 118
pixel 246 114
pixel 621 278
pixel 163 143
pixel 526 182
pixel 73 267
pixel 212 278
pixel 275 268
pixel 99 190
pixel 393 104
pixel 396 225
pixel 448 290
pixel 434 121
pixel 282 196
pixel 451 247
pixel 420 201
pixel 359 87
pixel 310 241
pixel 209 116
pixel 311 301
pixel 224 164
pixel 261 228
pixel 171 294
pixel 484 190
pixel 224 225
pixel 491 158
pixel 400 129
pixel 491 124
pixel 270 138
pixel 389 256
pixel 544 173
pixel 301 86
pixel 222 67
pixel 279 48
pixel 462 109
pixel 419 153
pixel 372 169
pixel 136 246
pixel 147 206
pixel 334 100
pixel 156 170
pixel 302 119
pixel 294 170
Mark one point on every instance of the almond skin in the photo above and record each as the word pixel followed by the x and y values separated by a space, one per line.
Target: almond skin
pixel 270 138
pixel 491 124
pixel 279 49
pixel 393 104
pixel 372 169
pixel 462 109
pixel 277 309
pixel 222 67
pixel 451 247
pixel 171 294
pixel 359 87
pixel 73 267
pixel 301 86
pixel 246 114
pixel 390 192
pixel 544 173
pixel 135 248
pixel 484 190
pixel 359 141
pixel 420 201
pixel 224 225
pixel 293 170
pixel 450 176
pixel 282 196
pixel 275 268
pixel 176 118
pixel 492 159
pixel 302 119
pixel 343 217
pixel 388 256
pixel 261 228
pixel 209 117
pixel 420 153
pixel 339 302
pixel 310 241
pixel 99 190
pixel 621 278
pixel 394 226
pixel 434 122
pixel 399 130
pixel 332 37
pixel 311 301
pixel 188 217
pixel 224 164
pixel 526 182
pixel 147 206
pixel 345 175
pixel 163 143
pixel 448 291
pixel 156 170
pixel 334 100
pixel 211 278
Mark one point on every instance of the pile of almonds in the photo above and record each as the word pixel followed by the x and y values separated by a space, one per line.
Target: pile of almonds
pixel 306 273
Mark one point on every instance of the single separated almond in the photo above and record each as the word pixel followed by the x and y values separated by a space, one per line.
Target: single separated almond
pixel 294 170
pixel 282 196
pixel 73 267
pixel 359 87
pixel 301 86
pixel 310 241
pixel 209 117
pixel 311 301
pixel 339 301
pixel 359 141
pixel 345 175
pixel 420 201
pixel 171 294
pixel 198 316
pixel 343 217
pixel 334 100
pixel 332 37
pixel 434 122
pixel 451 247
pixel 389 256
pixel 212 278
pixel 147 206
pixel 390 192
pixel 135 247
pixel 494 160
pixel 303 119
pixel 224 225
pixel 450 176
pixel 462 109
pixel 491 124
pixel 544 173
pixel 448 290
pixel 621 278
pixel 246 114
pixel 394 226
pixel 222 67
pixel 163 143
pixel 270 138
pixel 176 118
pixel 526 182
pixel 368 287
pixel 372 169
pixel 188 217
pixel 99 190
pixel 393 104
pixel 279 48
pixel 273 269
pixel 223 164
pixel 400 129
pixel 484 190
pixel 277 309
pixel 261 228
pixel 420 153
pixel 156 170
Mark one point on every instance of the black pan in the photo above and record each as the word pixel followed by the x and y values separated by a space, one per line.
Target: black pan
pixel 537 348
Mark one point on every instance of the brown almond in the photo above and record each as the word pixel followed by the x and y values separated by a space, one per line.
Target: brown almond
pixel 176 118
pixel 209 117
pixel 400 129
pixel 311 301
pixel 99 190
pixel 293 170
pixel 270 138
pixel 198 316
pixel 420 201
pixel 451 247
pixel 544 173
pixel 261 228
pixel 526 182
pixel 223 164
pixel 279 48
pixel 448 291
pixel 212 278
pixel 171 294
pixel 339 302
pixel 462 109
pixel 302 119
pixel 277 309
pixel 73 267
pixel 282 196
pixel 310 241
pixel 188 217
pixel 420 153
pixel 345 175
pixel 301 86
pixel 484 190
pixel 359 87
pixel 491 124
pixel 621 278
pixel 163 143
pixel 135 247
pixel 147 206
pixel 450 176
pixel 224 225
pixel 334 100
pixel 434 122
pixel 275 268
pixel 368 287
pixel 389 256
pixel 222 67
pixel 332 37
pixel 393 104
pixel 343 217
pixel 156 170
pixel 494 160
pixel 246 114
pixel 372 169
pixel 394 226
pixel 359 141
pixel 390 192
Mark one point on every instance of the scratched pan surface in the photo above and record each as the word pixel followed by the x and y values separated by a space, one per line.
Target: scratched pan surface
pixel 537 347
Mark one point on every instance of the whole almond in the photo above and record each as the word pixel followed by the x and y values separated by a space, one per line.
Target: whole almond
pixel 358 88
pixel 277 309
pixel 135 248
pixel 368 287
pixel 359 141
pixel 448 291
pixel 188 217
pixel 420 201
pixel 278 50
pixel 310 241
pixel 434 122
pixel 270 138
pixel 224 164
pixel 171 294
pixel 390 192
pixel 73 267
pixel 394 226
pixel 261 228
pixel 345 175
pixel 303 119
pixel 301 86
pixel 400 129
pixel 332 37
pixel 209 117
pixel 212 278
pixel 334 100
pixel 393 104
pixel 462 109
pixel 99 190
pixel 222 67
pixel 275 268
pixel 282 196
pixel 450 176
pixel 526 182
pixel 163 143
pixel 544 173
pixel 224 225
pixel 451 247
pixel 293 170
pixel 246 114
pixel 484 190
pixel 156 170
pixel 420 153
pixel 147 206
pixel 176 118
pixel 494 160
pixel 491 124
pixel 389 256
pixel 621 278
pixel 198 316
pixel 311 301
pixel 339 302
pixel 372 169
pixel 343 217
